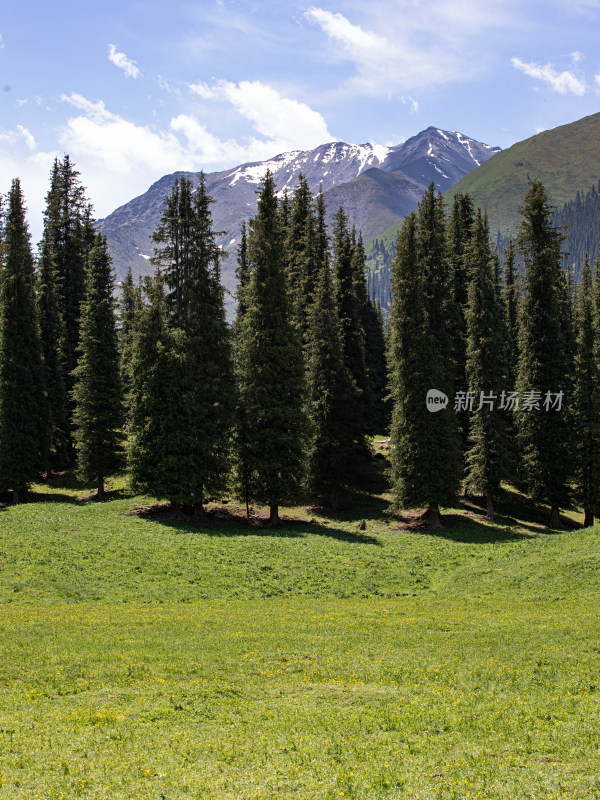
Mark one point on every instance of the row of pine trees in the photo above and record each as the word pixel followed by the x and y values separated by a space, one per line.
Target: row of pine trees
pixel 285 399
pixel 460 326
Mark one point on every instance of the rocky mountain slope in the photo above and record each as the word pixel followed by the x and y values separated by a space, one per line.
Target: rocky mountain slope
pixel 377 185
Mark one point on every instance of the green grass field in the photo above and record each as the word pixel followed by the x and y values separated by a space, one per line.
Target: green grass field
pixel 147 659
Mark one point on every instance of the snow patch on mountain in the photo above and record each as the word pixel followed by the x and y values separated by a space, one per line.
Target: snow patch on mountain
pixel 467 143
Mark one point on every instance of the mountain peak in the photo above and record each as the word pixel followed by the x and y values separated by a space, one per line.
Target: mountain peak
pixel 376 184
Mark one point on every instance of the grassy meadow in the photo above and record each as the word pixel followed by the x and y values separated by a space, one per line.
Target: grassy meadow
pixel 144 658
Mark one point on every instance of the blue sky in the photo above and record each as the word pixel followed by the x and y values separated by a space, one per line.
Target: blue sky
pixel 135 90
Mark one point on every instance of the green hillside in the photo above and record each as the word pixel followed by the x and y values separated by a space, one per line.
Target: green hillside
pixel 566 159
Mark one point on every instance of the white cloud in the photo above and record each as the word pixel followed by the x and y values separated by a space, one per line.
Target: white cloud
pixel 422 43
pixel 577 57
pixel 562 82
pixel 20 132
pixel 1 41
pixel 121 61
pixel 336 26
pixel 203 90
pixel 288 124
pixel 119 159
pixel 27 136
pixel 597 79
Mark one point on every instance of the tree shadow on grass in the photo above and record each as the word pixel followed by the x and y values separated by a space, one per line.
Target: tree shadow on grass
pixel 38 497
pixel 517 519
pixel 228 524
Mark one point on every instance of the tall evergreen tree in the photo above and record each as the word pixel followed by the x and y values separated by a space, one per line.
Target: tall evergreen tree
pixel 511 305
pixel 68 238
pixel 52 336
pixel 195 353
pixel 242 272
pixel 586 401
pixel 129 304
pixel 543 358
pixel 426 451
pixel 269 367
pixel 349 310
pixel 334 454
pixel 153 451
pixel 23 407
pixel 485 367
pixel 301 254
pixel 374 342
pixel 511 296
pixel 97 392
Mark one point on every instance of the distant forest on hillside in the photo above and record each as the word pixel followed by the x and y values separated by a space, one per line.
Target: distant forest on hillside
pixel 578 219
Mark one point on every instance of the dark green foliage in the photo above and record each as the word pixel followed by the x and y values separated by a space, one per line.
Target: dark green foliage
pixel 129 305
pixel 192 358
pixel 52 336
pixel 580 220
pixel 375 348
pixel 68 239
pixel 511 296
pixel 155 420
pixel 426 451
pixel 23 408
pixel 349 311
pixel 68 230
pixel 485 366
pixel 543 360
pixel 586 400
pixel 97 391
pixel 242 272
pixel 460 229
pixel 334 454
pixel 302 255
pixel 269 368
pixel 512 291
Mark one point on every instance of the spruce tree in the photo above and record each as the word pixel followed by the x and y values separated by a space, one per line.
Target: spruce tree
pixel 52 337
pixel 129 303
pixel 68 238
pixel 511 294
pixel 153 447
pixel 511 305
pixel 586 401
pixel 426 452
pixel 543 356
pixel 374 342
pixel 242 272
pixel 460 227
pixel 194 351
pixel 24 428
pixel 485 367
pixel 349 311
pixel 301 254
pixel 97 392
pixel 334 454
pixel 270 368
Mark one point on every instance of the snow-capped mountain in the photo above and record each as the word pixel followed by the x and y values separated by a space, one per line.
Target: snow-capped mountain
pixel 377 185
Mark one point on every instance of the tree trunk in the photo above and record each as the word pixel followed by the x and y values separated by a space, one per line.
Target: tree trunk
pixel 16 496
pixel 588 520
pixel 175 508
pixel 434 521
pixel 555 520
pixel 274 521
pixel 490 507
pixel 100 493
pixel 334 499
